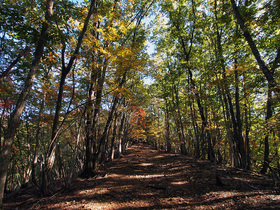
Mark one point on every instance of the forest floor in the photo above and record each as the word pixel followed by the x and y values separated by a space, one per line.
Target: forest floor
pixel 145 178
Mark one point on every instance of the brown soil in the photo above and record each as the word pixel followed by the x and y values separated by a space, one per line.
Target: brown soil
pixel 148 179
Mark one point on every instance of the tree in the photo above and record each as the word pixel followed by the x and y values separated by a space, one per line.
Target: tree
pixel 14 120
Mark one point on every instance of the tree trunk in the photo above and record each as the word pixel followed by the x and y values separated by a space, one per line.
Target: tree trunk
pixel 237 143
pixel 74 160
pixel 183 139
pixel 167 127
pixel 113 144
pixel 14 120
pixel 120 136
pixel 91 116
pixel 266 142
pixel 102 142
pixel 37 137
pixel 247 131
pixel 92 123
pixel 240 142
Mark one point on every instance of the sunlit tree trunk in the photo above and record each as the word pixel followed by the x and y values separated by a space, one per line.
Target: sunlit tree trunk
pixel 114 134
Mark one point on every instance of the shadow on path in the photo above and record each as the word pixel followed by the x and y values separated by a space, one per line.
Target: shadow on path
pixel 148 179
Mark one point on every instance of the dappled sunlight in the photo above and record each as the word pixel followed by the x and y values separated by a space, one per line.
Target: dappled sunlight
pixel 163 181
pixel 159 156
pixel 180 182
pixel 124 177
pixel 113 205
pixel 145 164
pixel 96 190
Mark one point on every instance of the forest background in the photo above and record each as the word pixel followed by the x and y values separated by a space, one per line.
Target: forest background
pixel 73 94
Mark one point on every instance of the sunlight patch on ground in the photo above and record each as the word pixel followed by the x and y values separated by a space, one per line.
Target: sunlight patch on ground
pixel 147 194
pixel 114 205
pixel 252 199
pixel 145 176
pixel 180 182
pixel 99 191
pixel 177 168
pixel 174 200
pixel 159 156
pixel 146 164
pixel 121 176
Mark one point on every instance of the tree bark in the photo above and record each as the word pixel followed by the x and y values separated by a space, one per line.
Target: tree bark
pixel 113 144
pixel 167 127
pixel 247 131
pixel 266 139
pixel 37 137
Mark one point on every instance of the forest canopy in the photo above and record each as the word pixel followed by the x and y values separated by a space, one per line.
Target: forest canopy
pixel 73 93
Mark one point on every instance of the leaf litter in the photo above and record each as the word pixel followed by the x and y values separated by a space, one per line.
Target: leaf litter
pixel 145 178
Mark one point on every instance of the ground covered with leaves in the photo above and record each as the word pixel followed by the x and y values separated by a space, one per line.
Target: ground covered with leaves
pixel 145 178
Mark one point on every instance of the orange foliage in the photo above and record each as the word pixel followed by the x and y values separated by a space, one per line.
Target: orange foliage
pixel 139 115
pixel 14 148
pixel 4 99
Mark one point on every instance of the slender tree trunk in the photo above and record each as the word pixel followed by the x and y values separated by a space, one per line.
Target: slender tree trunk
pixel 186 54
pixel 113 144
pixel 14 120
pixel 74 160
pixel 247 131
pixel 37 137
pixel 266 139
pixel 60 163
pixel 183 139
pixel 167 127
pixel 240 142
pixel 121 136
pixel 197 151
pixel 178 121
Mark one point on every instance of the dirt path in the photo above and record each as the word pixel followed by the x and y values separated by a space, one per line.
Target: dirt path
pixel 148 179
